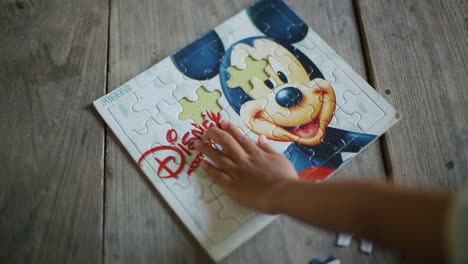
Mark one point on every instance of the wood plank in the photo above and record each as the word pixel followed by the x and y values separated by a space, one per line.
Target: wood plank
pixel 335 22
pixel 138 225
pixel 419 57
pixel 52 65
pixel 286 240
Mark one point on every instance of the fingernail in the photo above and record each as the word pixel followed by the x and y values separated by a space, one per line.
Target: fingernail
pixel 263 139
pixel 203 164
pixel 224 123
pixel 197 143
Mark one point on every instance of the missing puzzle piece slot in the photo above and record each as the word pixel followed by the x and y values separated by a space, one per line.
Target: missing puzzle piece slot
pixel 206 101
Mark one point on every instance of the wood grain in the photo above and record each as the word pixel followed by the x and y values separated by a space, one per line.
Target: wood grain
pixel 289 241
pixel 139 227
pixel 52 65
pixel 418 57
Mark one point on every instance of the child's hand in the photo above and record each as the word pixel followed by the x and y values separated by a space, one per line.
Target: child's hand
pixel 250 173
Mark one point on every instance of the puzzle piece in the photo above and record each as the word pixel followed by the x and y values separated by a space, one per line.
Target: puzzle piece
pixel 233 210
pixel 189 198
pixel 213 85
pixel 229 113
pixel 308 131
pixel 302 95
pixel 334 120
pixel 238 58
pixel 216 190
pixel 366 246
pixel 261 121
pixel 323 62
pixel 194 110
pixel 242 78
pixel 347 156
pixel 367 110
pixel 150 94
pixel 203 184
pixel 186 87
pixel 345 121
pixel 204 213
pixel 155 136
pixel 146 77
pixel 198 191
pixel 216 228
pixel 155 133
pixel 261 50
pixel 182 180
pixel 128 119
pixel 279 146
pixel 295 27
pixel 329 260
pixel 344 240
pixel 237 28
pixel 343 84
pixel 226 38
pixel 338 149
pixel 169 113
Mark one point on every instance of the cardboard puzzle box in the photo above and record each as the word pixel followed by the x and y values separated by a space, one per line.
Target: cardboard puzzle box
pixel 269 73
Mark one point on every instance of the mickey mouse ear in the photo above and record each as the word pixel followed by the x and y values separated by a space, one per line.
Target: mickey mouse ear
pixel 200 60
pixel 275 20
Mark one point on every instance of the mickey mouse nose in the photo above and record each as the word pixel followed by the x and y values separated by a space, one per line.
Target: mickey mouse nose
pixel 288 97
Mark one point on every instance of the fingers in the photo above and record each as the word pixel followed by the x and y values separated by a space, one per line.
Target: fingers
pixel 237 134
pixel 215 155
pixel 218 175
pixel 231 147
pixel 262 143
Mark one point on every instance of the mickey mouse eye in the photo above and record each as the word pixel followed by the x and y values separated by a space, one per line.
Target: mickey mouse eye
pixel 278 68
pixel 282 77
pixel 270 83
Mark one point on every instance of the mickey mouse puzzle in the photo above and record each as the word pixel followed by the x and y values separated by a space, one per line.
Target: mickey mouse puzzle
pixel 270 74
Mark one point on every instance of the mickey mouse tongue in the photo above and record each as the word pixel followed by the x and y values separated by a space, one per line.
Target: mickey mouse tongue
pixel 308 130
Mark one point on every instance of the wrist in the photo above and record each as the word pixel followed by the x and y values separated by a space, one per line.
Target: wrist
pixel 278 195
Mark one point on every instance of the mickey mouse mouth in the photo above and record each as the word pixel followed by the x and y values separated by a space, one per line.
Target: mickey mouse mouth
pixel 308 130
pixel 305 131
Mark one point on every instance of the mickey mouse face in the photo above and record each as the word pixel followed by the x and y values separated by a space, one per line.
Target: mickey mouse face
pixel 276 95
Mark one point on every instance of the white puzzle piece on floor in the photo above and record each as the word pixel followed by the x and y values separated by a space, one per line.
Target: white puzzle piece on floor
pixel 270 74
pixel 344 240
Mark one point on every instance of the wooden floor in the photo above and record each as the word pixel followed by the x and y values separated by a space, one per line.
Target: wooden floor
pixel 69 193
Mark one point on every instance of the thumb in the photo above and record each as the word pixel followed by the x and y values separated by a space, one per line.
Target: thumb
pixel 262 143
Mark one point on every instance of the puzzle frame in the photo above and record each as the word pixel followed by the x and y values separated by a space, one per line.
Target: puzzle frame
pixel 145 114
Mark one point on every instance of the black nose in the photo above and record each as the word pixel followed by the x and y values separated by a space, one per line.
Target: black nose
pixel 288 97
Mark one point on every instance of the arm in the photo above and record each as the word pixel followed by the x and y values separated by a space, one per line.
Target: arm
pixel 259 177
pixel 403 219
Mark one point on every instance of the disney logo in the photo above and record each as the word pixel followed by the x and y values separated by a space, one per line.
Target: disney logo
pixel 171 159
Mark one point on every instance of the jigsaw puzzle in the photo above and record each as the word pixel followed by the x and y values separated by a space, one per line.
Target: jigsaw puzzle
pixel 270 74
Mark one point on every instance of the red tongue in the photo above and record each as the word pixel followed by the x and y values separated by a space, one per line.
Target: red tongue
pixel 307 131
